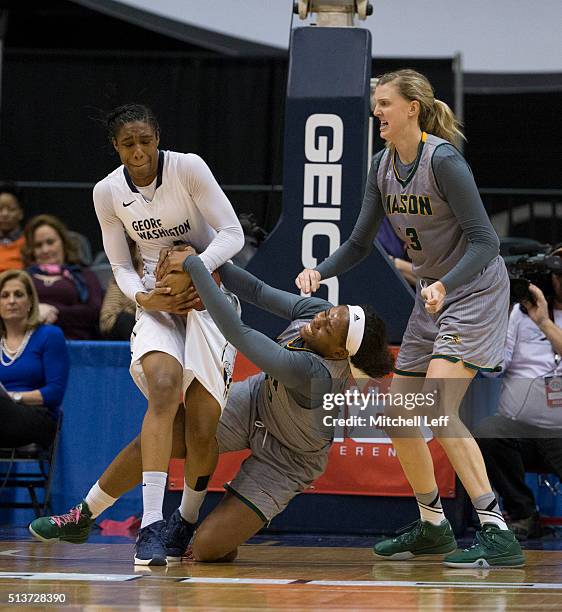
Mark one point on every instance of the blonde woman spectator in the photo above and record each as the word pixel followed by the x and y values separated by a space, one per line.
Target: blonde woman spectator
pixel 34 365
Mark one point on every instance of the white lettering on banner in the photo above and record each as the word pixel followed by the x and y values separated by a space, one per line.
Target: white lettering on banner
pixel 360 451
pixel 328 176
pixel 322 172
pixel 317 151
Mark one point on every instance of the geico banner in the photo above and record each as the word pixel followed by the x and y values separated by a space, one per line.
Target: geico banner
pixel 355 467
pixel 324 163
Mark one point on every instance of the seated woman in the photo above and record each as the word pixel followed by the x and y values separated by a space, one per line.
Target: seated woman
pixel 34 365
pixel 70 295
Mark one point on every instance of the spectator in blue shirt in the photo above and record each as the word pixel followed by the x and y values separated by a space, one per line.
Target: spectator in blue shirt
pixel 34 365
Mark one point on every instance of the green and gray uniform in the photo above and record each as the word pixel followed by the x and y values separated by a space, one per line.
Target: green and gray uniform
pixel 434 206
pixel 277 414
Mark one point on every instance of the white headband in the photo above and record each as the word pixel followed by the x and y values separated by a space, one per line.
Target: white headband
pixel 356 329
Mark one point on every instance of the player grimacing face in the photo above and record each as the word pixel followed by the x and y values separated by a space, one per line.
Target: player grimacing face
pixel 137 145
pixel 394 112
pixel 326 333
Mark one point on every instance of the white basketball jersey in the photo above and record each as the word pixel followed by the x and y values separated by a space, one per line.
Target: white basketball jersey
pixel 188 206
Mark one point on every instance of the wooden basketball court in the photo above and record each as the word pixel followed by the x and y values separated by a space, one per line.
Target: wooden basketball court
pixel 267 577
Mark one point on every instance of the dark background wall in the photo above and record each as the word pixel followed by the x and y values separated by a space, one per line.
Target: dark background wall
pixel 65 65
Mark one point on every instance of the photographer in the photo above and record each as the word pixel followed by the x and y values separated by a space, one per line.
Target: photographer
pixel 526 434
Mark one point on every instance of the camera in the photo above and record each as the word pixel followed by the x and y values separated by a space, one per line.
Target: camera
pixel 527 262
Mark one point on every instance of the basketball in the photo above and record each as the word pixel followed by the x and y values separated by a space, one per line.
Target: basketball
pixel 181 281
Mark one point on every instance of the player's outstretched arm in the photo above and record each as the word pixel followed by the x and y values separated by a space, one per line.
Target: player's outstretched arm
pixel 282 303
pixel 292 369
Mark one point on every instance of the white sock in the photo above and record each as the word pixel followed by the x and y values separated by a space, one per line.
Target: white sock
pixel 153 487
pixel 430 507
pixel 191 502
pixel 98 500
pixel 488 510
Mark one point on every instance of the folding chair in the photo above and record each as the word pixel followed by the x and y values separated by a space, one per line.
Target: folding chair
pixel 38 465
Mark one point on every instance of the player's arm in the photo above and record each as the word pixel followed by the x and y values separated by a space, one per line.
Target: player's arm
pixel 115 243
pixel 281 303
pixel 217 211
pixel 291 368
pixel 360 243
pixel 456 183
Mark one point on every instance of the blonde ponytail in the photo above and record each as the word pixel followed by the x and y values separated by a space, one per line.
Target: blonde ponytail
pixel 441 122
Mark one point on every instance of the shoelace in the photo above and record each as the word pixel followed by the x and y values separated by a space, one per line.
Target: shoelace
pixel 178 529
pixel 70 517
pixel 410 532
pixel 482 538
pixel 150 529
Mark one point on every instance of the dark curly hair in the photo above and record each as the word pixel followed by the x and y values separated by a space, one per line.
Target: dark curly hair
pixel 373 357
pixel 127 113
pixel 11 188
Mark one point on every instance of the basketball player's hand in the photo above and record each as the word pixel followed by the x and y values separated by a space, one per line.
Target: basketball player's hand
pixel 180 282
pixel 173 262
pixel 160 299
pixel 164 253
pixel 308 281
pixel 538 312
pixel 434 297
pixel 161 258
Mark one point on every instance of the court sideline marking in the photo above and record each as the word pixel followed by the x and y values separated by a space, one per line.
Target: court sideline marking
pixel 64 577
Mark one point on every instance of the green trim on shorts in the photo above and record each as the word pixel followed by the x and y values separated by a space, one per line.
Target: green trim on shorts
pixel 467 364
pixel 447 357
pixel 409 373
pixel 246 501
pixel 483 368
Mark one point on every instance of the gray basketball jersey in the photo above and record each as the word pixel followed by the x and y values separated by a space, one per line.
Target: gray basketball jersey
pixel 299 429
pixel 419 214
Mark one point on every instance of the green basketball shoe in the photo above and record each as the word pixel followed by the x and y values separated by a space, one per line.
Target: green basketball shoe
pixel 419 538
pixel 493 547
pixel 72 527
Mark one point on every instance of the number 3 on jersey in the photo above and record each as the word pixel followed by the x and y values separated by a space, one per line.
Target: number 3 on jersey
pixel 415 243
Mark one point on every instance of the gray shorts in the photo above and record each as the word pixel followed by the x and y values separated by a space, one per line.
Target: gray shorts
pixel 471 327
pixel 273 474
